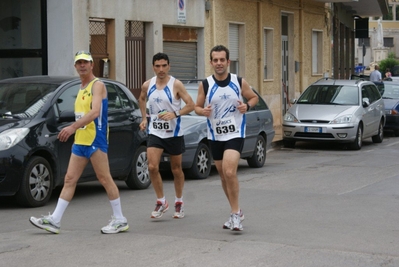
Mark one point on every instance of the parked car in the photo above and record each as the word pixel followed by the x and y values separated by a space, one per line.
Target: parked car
pixel 33 162
pixel 345 111
pixel 197 158
pixel 391 102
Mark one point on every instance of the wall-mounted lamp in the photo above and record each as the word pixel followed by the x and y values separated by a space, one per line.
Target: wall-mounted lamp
pixel 208 5
pixel 297 66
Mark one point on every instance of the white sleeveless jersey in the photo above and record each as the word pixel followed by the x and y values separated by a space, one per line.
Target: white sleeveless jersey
pixel 225 122
pixel 162 100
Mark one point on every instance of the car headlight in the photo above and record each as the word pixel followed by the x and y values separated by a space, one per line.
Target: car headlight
pixel 342 119
pixel 11 137
pixel 290 118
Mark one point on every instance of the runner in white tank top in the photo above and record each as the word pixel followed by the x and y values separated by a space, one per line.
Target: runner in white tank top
pixel 220 99
pixel 225 122
pixel 161 100
pixel 164 94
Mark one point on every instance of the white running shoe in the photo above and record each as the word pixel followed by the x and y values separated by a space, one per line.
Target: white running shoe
pixel 236 222
pixel 179 210
pixel 159 209
pixel 46 223
pixel 115 226
pixel 229 223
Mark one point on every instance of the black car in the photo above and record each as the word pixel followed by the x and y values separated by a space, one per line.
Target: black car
pixel 33 162
pixel 391 102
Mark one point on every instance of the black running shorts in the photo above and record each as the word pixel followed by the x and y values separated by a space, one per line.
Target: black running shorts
pixel 218 147
pixel 172 145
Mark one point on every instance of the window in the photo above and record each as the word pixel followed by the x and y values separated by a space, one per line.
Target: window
pixel 388 16
pixel 117 99
pixel 388 42
pixel 268 54
pixel 365 40
pixel 67 99
pixel 317 52
pixel 236 48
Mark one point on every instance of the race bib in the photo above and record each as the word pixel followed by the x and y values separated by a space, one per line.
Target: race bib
pixel 224 126
pixel 78 116
pixel 160 125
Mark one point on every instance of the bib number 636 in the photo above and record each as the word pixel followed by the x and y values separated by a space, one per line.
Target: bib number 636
pixel 161 125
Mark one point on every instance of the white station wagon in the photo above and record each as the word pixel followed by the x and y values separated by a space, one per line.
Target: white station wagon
pixel 345 111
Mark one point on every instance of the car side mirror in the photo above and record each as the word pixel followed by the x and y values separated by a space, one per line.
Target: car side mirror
pixel 366 102
pixel 293 100
pixel 67 116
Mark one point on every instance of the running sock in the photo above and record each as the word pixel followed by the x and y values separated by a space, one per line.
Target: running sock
pixel 177 199
pixel 117 208
pixel 59 210
pixel 162 200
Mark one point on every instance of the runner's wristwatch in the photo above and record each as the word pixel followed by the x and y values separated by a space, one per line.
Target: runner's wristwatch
pixel 248 106
pixel 177 113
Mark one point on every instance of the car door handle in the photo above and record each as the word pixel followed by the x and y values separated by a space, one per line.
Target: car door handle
pixel 51 134
pixel 133 118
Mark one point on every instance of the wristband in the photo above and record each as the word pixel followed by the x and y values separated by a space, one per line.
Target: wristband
pixel 248 106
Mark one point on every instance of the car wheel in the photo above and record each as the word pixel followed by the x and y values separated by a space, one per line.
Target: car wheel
pixel 289 143
pixel 139 177
pixel 37 183
pixel 357 144
pixel 259 157
pixel 201 167
pixel 396 133
pixel 380 135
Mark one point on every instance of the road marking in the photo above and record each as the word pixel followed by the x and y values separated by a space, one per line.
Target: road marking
pixel 394 143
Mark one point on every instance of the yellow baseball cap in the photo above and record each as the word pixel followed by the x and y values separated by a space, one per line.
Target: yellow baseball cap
pixel 83 55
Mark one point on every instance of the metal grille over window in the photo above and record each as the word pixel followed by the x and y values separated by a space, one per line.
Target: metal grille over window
pixel 134 29
pixel 135 55
pixel 98 44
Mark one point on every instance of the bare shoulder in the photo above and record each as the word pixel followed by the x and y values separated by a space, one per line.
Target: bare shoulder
pixel 179 85
pixel 145 85
pixel 98 85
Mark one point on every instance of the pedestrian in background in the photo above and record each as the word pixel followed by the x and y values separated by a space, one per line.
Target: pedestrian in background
pixel 375 75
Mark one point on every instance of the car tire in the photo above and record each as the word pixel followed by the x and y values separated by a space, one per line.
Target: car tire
pixel 201 167
pixel 357 144
pixel 139 177
pixel 259 157
pixel 37 183
pixel 396 133
pixel 380 135
pixel 289 143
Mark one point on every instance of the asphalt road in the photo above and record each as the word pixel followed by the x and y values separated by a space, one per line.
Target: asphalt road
pixel 316 205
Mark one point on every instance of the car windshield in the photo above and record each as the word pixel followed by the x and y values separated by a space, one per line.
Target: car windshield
pixel 391 90
pixel 330 95
pixel 23 100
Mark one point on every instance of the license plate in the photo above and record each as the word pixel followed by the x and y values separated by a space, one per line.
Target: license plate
pixel 313 130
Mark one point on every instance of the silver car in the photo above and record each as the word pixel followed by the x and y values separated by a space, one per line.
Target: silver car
pixel 197 158
pixel 345 111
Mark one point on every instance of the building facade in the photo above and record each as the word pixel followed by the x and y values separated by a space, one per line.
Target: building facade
pixel 390 26
pixel 279 46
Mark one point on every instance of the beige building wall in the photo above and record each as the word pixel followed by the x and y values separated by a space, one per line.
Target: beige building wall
pixel 304 17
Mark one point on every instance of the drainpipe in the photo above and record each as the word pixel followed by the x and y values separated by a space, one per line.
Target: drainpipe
pixel 301 46
pixel 260 48
pixel 213 23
